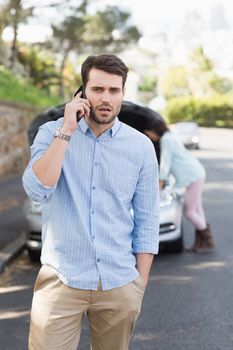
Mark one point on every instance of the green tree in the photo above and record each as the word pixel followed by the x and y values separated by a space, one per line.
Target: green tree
pixel 110 30
pixel 69 37
pixel 107 30
pixel 203 79
pixel 16 14
pixel 199 60
pixel 4 21
pixel 175 83
pixel 200 70
pixel 4 18
pixel 40 67
pixel 220 85
pixel 148 84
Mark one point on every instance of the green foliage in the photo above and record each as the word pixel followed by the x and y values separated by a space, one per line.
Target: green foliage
pixel 12 13
pixel 40 67
pixel 4 18
pixel 202 78
pixel 175 83
pixel 220 85
pixel 110 30
pixel 16 89
pixel 15 14
pixel 69 34
pixel 5 54
pixel 148 83
pixel 197 79
pixel 200 61
pixel 106 30
pixel 215 111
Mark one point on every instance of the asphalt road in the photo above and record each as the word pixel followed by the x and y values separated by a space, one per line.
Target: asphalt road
pixel 188 303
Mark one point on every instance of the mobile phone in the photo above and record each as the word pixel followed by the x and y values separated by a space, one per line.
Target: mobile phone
pixel 81 88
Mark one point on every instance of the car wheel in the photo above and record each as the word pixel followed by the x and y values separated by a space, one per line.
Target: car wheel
pixel 176 246
pixel 34 255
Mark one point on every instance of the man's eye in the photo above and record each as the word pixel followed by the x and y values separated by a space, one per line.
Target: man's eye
pixel 115 91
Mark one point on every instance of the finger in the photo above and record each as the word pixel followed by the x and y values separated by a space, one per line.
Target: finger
pixel 85 100
pixel 79 98
pixel 81 104
pixel 80 112
pixel 82 109
pixel 87 110
pixel 78 94
pixel 82 101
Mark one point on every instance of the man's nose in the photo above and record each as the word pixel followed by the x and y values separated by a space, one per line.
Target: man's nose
pixel 106 96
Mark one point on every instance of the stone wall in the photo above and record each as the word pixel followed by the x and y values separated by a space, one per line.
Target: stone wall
pixel 14 150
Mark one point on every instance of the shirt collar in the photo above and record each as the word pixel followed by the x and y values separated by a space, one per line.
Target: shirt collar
pixel 83 125
pixel 116 126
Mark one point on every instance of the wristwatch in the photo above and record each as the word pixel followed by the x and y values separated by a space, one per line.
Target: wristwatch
pixel 60 135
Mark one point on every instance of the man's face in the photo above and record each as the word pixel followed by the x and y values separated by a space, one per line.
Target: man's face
pixel 105 94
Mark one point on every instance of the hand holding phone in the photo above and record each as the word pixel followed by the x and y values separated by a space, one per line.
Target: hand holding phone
pixel 80 90
pixel 75 110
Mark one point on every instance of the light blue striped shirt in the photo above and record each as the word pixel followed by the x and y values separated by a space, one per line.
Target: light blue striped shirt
pixel 88 230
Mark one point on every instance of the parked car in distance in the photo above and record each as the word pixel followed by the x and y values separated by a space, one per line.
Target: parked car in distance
pixel 170 235
pixel 188 132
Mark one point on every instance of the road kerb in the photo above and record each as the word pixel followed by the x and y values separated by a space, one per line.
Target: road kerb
pixel 11 250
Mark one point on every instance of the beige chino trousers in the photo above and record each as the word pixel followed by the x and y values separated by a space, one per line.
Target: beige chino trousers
pixel 58 310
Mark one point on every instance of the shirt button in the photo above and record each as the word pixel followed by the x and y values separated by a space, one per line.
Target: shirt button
pixel 92 211
pixel 98 260
pixel 96 163
pixel 93 187
pixel 97 140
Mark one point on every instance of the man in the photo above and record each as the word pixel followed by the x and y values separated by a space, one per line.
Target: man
pixel 96 256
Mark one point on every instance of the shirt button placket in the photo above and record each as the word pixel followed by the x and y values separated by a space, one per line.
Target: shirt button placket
pixel 94 187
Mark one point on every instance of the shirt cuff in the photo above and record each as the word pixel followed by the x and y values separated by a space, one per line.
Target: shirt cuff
pixel 34 187
pixel 145 248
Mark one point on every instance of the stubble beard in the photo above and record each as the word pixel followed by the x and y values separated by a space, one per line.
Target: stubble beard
pixel 103 120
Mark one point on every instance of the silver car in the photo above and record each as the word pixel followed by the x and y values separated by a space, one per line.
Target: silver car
pixel 171 236
pixel 188 133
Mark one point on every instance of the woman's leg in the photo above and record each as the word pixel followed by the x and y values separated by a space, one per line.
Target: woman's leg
pixel 193 208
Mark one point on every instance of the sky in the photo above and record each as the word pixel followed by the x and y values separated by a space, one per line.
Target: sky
pixel 149 15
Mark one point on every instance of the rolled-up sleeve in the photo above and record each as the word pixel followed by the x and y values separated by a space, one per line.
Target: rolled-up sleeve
pixel 146 206
pixel 33 187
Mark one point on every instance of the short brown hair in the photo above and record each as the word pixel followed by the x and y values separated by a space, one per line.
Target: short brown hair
pixel 106 62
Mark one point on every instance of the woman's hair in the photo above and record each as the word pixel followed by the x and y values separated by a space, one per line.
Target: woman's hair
pixel 159 126
pixel 105 62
